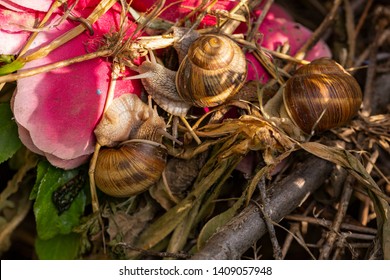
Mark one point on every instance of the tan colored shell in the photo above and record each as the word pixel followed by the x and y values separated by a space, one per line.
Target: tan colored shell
pixel 126 118
pixel 321 96
pixel 213 71
pixel 131 168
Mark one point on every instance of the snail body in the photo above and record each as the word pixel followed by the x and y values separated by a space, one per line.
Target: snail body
pixel 318 97
pixel 123 120
pixel 212 71
pixel 159 82
pixel 133 158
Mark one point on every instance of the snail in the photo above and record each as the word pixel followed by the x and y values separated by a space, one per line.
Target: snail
pixel 133 158
pixel 212 71
pixel 319 96
pixel 131 168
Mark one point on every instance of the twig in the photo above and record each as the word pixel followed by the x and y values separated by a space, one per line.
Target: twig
pixel 363 17
pixel 153 253
pixel 328 224
pixel 332 236
pixel 99 10
pixel 233 239
pixel 364 55
pixel 350 28
pixel 381 23
pixel 367 201
pixel 319 31
pixel 23 207
pixel 230 25
pixel 268 221
pixel 260 19
pixel 295 229
pixel 49 67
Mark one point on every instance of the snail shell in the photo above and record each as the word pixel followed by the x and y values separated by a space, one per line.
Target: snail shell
pixel 127 167
pixel 128 117
pixel 214 70
pixel 131 168
pixel 321 96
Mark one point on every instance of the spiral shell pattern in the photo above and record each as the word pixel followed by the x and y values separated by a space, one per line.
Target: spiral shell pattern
pixel 213 71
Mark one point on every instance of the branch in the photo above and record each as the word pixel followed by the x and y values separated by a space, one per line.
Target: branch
pixel 232 240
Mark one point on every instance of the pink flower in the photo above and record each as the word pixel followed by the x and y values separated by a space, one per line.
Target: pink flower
pixel 57 111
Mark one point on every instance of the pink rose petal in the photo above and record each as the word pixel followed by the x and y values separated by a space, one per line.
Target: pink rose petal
pixel 37 5
pixel 12 38
pixel 277 32
pixel 66 164
pixel 60 109
pixel 25 137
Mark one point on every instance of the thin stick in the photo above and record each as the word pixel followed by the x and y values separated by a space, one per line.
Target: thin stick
pixel 350 27
pixel 153 253
pixel 91 173
pixel 92 164
pixel 264 208
pixel 260 19
pixel 49 13
pixel 192 132
pixel 334 233
pixel 295 230
pixel 230 25
pixel 49 67
pixel 328 224
pixel 381 24
pixel 319 31
pixel 99 10
pixel 363 17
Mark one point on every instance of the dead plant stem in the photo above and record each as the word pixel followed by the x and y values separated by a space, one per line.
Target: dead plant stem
pixel 334 233
pixel 328 20
pixel 277 251
pixel 49 67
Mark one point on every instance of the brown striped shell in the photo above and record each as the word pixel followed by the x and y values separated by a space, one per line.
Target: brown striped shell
pixel 130 168
pixel 127 167
pixel 321 96
pixel 213 71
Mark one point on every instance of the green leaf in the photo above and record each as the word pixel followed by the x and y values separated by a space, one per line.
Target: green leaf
pixel 60 247
pixel 9 139
pixel 6 58
pixel 41 171
pixel 11 67
pixel 49 223
pixel 218 221
pixel 167 223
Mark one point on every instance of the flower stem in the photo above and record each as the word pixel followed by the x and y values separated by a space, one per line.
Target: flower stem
pixel 49 67
pixel 100 9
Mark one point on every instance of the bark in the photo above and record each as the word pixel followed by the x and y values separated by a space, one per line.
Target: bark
pixel 236 237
